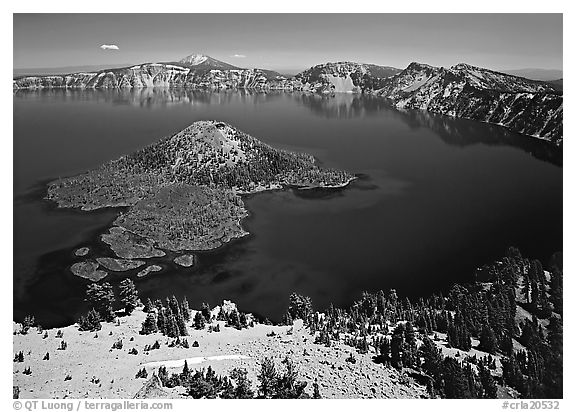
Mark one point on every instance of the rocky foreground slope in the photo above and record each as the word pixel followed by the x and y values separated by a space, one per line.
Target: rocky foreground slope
pixel 94 365
pixel 529 107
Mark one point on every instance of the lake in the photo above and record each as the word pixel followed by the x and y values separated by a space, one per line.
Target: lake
pixel 436 197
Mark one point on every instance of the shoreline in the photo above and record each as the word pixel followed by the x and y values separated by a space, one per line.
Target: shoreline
pixel 224 240
pixel 351 340
pixel 392 102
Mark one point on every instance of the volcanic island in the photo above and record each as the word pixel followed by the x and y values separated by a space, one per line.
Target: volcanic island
pixel 184 194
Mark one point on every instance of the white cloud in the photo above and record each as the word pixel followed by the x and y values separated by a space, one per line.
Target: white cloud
pixel 109 47
pixel 238 56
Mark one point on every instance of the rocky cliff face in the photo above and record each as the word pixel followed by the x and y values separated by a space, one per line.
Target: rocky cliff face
pixel 199 71
pixel 344 77
pixel 524 106
pixel 160 75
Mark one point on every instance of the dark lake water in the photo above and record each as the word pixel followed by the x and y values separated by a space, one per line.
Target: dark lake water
pixel 437 197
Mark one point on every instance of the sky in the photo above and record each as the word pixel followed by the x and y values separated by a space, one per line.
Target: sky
pixel 290 42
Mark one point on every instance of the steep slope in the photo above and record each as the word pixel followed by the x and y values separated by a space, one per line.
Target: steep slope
pixel 207 153
pixel 144 75
pixel 183 193
pixel 215 153
pixel 529 107
pixel 343 77
pixel 88 359
pixel 193 71
pixel 160 75
pixel 201 71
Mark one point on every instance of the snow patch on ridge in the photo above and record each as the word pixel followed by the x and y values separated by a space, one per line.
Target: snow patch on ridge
pixel 341 85
pixel 417 83
pixel 194 59
pixel 179 363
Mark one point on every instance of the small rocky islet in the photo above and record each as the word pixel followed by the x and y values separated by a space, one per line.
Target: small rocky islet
pixel 184 193
pixel 88 270
pixel 127 245
pixel 83 251
pixel 119 265
pixel 185 260
pixel 149 269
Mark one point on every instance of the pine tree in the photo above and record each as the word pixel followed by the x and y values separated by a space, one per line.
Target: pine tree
pixel 287 319
pixel 243 389
pixel 234 319
pixel 172 324
pixel 535 295
pixel 185 308
pixel 148 306
pixel 268 379
pixel 288 387
pixel 397 347
pixel 529 336
pixel 300 307
pixel 384 349
pixel 206 312
pixel 199 321
pixel 102 299
pixel 488 341
pixel 90 322
pixel 181 324
pixel 537 273
pixel 223 316
pixel 162 374
pixel 162 321
pixel 19 357
pixel 185 370
pixel 28 322
pixel 243 320
pixel 409 334
pixel 149 325
pixel 506 345
pixel 316 390
pixel 142 373
pixel 409 358
pixel 128 296
pixel 555 334
pixel 512 374
pixel 474 386
pixel 362 345
pixel 455 382
pixel 432 358
pixel 556 290
pixel 174 305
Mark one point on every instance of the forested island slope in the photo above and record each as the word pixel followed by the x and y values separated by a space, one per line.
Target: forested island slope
pixel 183 193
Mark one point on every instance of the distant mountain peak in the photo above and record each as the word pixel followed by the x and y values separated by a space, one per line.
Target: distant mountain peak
pixel 194 59
pixel 414 65
pixel 464 66
pixel 203 61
